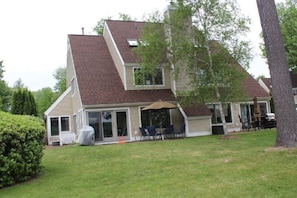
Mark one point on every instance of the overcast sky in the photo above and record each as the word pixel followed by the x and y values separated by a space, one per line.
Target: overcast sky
pixel 33 36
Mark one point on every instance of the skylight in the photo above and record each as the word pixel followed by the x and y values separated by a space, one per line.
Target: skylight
pixel 132 42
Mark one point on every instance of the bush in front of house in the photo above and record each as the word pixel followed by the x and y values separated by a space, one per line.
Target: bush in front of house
pixel 20 148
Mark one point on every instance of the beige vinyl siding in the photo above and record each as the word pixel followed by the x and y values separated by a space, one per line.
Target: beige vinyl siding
pixel 70 68
pixel 63 108
pixel 182 81
pixel 135 121
pixel 199 126
pixel 177 119
pixel 76 100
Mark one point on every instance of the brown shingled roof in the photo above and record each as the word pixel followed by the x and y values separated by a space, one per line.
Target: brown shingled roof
pixel 98 79
pixel 197 110
pixel 123 30
pixel 267 82
pixel 253 88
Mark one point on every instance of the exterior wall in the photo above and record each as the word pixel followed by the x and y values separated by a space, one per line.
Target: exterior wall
pixel 198 126
pixel 61 108
pixel 181 82
pixel 130 79
pixel 70 67
pixel 117 59
pixel 135 123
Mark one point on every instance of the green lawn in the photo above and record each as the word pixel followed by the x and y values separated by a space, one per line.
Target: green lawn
pixel 245 166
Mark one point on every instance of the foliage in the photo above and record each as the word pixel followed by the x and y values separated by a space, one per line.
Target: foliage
pixel 19 84
pixel 60 76
pixel 287 13
pixel 99 28
pixel 287 17
pixel 204 40
pixel 245 166
pixel 5 91
pixel 20 148
pixel 44 99
pixel 23 102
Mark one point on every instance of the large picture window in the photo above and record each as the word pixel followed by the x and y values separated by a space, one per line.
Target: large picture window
pixel 148 79
pixel 216 116
pixel 157 118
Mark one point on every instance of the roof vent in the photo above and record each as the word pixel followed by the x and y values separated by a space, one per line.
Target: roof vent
pixel 83 31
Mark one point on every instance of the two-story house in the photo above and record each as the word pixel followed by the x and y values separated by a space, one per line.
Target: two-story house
pixel 102 92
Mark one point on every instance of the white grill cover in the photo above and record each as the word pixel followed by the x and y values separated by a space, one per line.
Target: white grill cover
pixel 86 136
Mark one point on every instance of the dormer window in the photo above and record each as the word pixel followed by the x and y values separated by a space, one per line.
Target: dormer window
pixel 133 42
pixel 148 79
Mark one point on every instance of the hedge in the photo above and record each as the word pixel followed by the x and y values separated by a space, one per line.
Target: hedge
pixel 20 148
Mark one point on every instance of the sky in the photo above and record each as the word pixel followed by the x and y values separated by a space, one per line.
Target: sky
pixel 33 33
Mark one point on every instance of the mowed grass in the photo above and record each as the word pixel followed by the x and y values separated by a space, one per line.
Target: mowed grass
pixel 246 165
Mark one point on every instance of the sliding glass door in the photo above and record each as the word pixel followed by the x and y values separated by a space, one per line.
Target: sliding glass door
pixel 108 125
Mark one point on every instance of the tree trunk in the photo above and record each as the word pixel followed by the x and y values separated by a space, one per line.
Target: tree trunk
pixel 286 116
pixel 221 110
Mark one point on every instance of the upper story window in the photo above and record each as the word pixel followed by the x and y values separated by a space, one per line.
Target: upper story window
pixel 148 79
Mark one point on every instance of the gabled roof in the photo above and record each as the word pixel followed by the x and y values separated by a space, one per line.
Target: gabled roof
pixel 123 30
pixel 253 88
pixel 98 78
pixel 267 82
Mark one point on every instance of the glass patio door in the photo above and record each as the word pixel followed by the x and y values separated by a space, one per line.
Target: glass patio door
pixel 108 125
pixel 95 122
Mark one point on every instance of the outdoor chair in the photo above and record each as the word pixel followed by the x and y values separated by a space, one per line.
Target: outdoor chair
pixel 152 132
pixel 169 131
pixel 144 133
pixel 181 131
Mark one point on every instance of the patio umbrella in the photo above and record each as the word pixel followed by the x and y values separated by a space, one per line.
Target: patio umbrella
pixel 159 105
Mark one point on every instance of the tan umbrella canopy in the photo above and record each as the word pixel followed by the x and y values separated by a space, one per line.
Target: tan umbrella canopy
pixel 159 105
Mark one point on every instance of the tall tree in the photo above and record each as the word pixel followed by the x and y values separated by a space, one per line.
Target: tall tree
pixel 17 102
pixel 207 48
pixel 18 84
pixel 60 76
pixel 280 77
pixel 5 91
pixel 23 102
pixel 287 14
pixel 44 98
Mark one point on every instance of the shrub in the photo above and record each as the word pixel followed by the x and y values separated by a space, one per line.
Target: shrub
pixel 20 148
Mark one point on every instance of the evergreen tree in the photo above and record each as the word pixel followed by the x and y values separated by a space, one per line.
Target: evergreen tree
pixel 23 103
pixel 5 91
